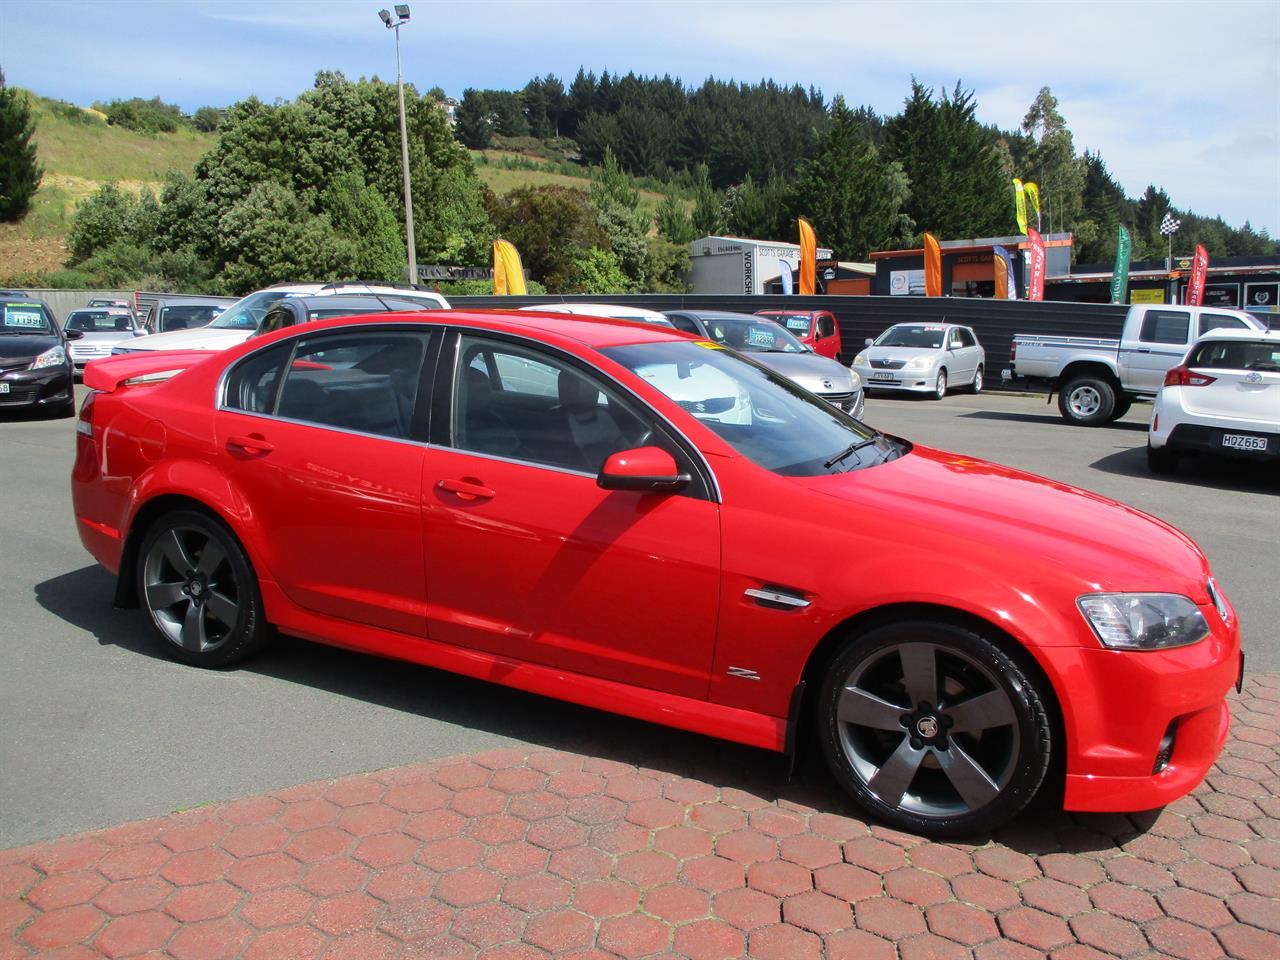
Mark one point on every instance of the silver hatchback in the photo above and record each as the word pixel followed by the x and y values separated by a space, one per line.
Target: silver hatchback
pixel 923 358
pixel 103 328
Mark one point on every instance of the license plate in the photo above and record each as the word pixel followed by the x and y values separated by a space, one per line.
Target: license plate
pixel 4 388
pixel 882 376
pixel 1237 441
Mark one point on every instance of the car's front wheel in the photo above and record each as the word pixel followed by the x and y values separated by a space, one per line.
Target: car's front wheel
pixel 940 386
pixel 200 591
pixel 934 728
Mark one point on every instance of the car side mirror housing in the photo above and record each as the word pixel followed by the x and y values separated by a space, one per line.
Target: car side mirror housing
pixel 867 341
pixel 643 468
pixel 73 334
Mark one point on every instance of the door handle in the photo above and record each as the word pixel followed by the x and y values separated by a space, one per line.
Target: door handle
pixel 467 489
pixel 1142 350
pixel 253 443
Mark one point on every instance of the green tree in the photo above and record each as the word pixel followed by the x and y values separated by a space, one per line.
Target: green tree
pixel 707 204
pixel 208 119
pixel 673 220
pixel 473 128
pixel 20 173
pixel 618 213
pixel 1053 164
pixel 104 218
pixel 359 213
pixel 598 271
pixel 144 116
pixel 550 226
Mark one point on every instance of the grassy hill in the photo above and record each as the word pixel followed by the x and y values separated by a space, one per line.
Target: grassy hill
pixel 80 152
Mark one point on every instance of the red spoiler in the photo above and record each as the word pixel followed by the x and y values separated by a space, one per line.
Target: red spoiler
pixel 108 373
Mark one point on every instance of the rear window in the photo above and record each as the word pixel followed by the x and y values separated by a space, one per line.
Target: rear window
pixel 1165 326
pixel 187 315
pixel 1258 355
pixel 99 321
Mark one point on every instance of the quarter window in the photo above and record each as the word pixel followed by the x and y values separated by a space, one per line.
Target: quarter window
pixel 826 326
pixel 1220 321
pixel 1165 326
pixel 253 384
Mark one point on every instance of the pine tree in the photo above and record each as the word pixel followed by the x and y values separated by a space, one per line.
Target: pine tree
pixel 20 173
pixel 1053 163
pixel 473 128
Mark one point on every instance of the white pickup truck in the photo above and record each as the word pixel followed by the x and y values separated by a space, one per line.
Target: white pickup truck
pixel 1098 378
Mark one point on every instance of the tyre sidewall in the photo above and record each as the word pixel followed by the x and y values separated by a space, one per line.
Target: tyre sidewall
pixel 1106 398
pixel 940 385
pixel 1034 730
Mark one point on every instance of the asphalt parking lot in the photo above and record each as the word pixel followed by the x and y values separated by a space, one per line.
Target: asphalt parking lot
pixel 100 727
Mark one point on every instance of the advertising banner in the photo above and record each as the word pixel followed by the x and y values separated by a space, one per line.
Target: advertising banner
pixel 1033 198
pixel 1002 264
pixel 1146 296
pixel 785 277
pixel 932 266
pixel 1199 270
pixel 1120 272
pixel 508 272
pixel 808 259
pixel 1035 273
pixel 1020 205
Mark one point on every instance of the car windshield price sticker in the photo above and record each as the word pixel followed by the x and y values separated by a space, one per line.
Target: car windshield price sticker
pixel 798 323
pixel 24 315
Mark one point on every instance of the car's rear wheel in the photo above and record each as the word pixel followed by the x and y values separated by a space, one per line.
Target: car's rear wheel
pixel 940 387
pixel 1161 459
pixel 200 591
pixel 934 728
pixel 1087 401
pixel 976 386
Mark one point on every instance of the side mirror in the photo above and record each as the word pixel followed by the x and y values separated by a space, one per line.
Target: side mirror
pixel 139 332
pixel 867 341
pixel 73 334
pixel 644 468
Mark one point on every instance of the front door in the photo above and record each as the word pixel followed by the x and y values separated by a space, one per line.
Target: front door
pixel 526 557
pixel 319 441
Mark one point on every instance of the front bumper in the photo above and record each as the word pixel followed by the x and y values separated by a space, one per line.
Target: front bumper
pixel 35 388
pixel 913 381
pixel 1114 737
pixel 854 404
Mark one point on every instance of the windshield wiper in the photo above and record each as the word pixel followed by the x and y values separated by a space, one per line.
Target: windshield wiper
pixel 848 452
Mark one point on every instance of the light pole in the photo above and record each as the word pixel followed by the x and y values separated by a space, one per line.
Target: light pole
pixel 401 18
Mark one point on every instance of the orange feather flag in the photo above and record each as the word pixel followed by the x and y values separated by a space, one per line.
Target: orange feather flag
pixel 808 259
pixel 932 266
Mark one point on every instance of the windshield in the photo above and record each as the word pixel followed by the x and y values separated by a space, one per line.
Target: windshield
pixel 1258 355
pixel 912 335
pixel 99 321
pixel 184 316
pixel 26 318
pixel 797 323
pixel 247 313
pixel 762 415
pixel 752 336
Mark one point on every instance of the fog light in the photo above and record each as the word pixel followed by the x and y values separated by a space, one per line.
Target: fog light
pixel 1165 753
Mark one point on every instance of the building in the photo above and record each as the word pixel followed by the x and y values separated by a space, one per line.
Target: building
pixel 735 266
pixel 968 266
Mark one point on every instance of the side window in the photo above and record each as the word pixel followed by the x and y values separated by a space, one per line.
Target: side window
pixel 967 339
pixel 955 342
pixel 252 384
pixel 365 381
pixel 826 326
pixel 1165 326
pixel 524 405
pixel 684 324
pixel 1220 321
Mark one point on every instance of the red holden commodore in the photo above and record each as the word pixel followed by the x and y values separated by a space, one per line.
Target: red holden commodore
pixel 629 518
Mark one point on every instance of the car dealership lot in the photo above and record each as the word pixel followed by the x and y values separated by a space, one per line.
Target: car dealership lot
pixel 100 727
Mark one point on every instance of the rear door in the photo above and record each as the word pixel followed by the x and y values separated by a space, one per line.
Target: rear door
pixel 322 436
pixel 827 335
pixel 1150 351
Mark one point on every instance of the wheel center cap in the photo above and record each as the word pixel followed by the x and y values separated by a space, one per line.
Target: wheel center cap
pixel 196 589
pixel 927 727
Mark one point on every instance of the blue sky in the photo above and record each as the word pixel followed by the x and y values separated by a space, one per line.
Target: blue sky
pixel 1184 95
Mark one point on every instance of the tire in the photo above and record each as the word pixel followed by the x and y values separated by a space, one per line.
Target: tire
pixel 1123 404
pixel 64 410
pixel 999 761
pixel 1161 460
pixel 976 386
pixel 200 591
pixel 940 388
pixel 1086 401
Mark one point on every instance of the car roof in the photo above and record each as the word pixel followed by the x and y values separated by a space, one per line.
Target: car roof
pixel 385 301
pixel 718 315
pixel 1222 333
pixel 189 301
pixel 600 309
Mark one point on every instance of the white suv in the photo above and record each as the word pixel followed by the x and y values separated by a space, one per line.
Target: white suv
pixel 238 322
pixel 1222 399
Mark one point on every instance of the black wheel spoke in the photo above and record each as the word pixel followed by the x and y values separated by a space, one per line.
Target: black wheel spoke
pixel 161 596
pixel 193 632
pixel 176 552
pixel 222 609
pixel 867 710
pixel 893 778
pixel 211 558
pixel 983 712
pixel 920 672
pixel 973 784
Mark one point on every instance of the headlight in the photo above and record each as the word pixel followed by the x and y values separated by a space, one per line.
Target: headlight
pixel 854 379
pixel 53 357
pixel 919 363
pixel 860 360
pixel 1143 621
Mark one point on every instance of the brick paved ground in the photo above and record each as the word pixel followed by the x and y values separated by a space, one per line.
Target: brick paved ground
pixel 526 855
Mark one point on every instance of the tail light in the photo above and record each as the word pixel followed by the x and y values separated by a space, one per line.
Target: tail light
pixel 84 425
pixel 1013 351
pixel 1182 377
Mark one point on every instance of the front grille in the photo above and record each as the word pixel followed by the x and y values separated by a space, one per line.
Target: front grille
pixel 7 365
pixel 90 352
pixel 19 394
pixel 888 364
pixel 839 399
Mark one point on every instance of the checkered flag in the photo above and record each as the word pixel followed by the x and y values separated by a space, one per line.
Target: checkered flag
pixel 1169 226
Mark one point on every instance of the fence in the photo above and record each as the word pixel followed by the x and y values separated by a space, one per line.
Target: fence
pixel 62 302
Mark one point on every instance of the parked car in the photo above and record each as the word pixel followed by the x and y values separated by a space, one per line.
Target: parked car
pixel 770 344
pixel 609 311
pixel 101 328
pixel 814 328
pixel 238 322
pixel 945 630
pixel 292 311
pixel 925 358
pixel 1097 379
pixel 1222 400
pixel 184 313
pixel 110 302
pixel 35 366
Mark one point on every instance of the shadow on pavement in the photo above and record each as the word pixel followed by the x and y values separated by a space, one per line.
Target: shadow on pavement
pixel 83 598
pixel 1218 473
pixel 1050 418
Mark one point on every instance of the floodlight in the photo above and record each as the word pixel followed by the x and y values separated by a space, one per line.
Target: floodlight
pixel 386 17
pixel 402 11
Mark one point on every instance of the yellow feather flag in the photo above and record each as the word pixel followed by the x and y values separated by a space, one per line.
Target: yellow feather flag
pixel 1033 196
pixel 1020 202
pixel 508 272
pixel 808 259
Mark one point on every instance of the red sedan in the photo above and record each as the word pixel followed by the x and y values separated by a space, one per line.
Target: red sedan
pixel 635 520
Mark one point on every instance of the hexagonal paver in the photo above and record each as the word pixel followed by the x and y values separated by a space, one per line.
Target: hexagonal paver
pixel 560 931
pixel 676 903
pixel 817 912
pixel 536 892
pixel 632 936
pixel 206 901
pixel 961 923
